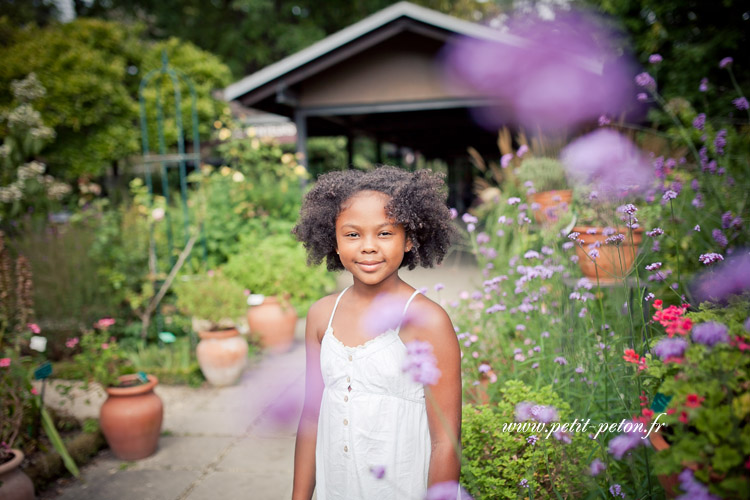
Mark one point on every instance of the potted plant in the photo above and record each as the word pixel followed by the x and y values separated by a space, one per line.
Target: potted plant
pixel 281 284
pixel 549 193
pixel 216 304
pixel 607 236
pixel 15 410
pixel 700 370
pixel 132 414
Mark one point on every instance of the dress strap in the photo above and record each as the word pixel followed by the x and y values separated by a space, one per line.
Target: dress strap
pixel 403 314
pixel 330 321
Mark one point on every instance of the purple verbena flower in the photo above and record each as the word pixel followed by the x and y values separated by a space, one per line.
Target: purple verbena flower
pixel 596 467
pixel 506 159
pixel 710 333
pixel 720 238
pixel 532 439
pixel 725 62
pixel 454 213
pixel 561 360
pixel 697 228
pixel 657 231
pixel 670 348
pixel 646 81
pixel 483 238
pixel 522 150
pixel 720 141
pixel 703 87
pixel 447 490
pixel 669 195
pixel 700 121
pixel 615 240
pixel 694 490
pixel 616 491
pixel 641 97
pixel 420 363
pixel 741 103
pixel 514 200
pixel 378 471
pixel 469 219
pixel 654 266
pixel 655 58
pixel 523 411
pixel 623 443
pixel 524 483
pixel 546 414
pixel 603 120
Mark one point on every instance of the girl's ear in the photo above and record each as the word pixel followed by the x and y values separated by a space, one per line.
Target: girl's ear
pixel 409 245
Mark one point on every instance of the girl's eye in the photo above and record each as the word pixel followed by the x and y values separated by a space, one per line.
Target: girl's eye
pixel 385 233
pixel 350 235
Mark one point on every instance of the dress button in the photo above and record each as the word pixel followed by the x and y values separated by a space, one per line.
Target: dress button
pixel 350 357
pixel 346 422
pixel 346 398
pixel 348 379
pixel 346 448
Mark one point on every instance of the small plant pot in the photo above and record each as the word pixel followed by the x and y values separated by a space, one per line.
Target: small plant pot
pixel 222 356
pixel 131 418
pixel 14 483
pixel 552 204
pixel 614 262
pixel 273 324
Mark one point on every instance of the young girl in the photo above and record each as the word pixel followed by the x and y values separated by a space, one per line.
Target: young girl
pixel 367 430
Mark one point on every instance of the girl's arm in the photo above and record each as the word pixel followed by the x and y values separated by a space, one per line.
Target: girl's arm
pixel 307 432
pixel 444 399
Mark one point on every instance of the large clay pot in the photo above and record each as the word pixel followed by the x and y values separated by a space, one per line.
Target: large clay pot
pixel 131 418
pixel 614 262
pixel 14 483
pixel 273 324
pixel 552 204
pixel 222 356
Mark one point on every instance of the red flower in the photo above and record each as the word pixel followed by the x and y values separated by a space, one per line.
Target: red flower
pixel 648 413
pixel 631 356
pixel 671 411
pixel 658 303
pixel 740 344
pixel 674 359
pixel 683 417
pixel 694 401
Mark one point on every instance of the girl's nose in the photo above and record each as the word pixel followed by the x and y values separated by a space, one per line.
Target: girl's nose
pixel 369 244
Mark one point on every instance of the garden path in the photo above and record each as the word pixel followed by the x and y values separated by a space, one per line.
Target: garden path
pixel 230 442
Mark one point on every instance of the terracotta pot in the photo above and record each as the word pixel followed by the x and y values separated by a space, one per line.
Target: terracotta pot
pixel 273 324
pixel 551 204
pixel 131 419
pixel 14 483
pixel 614 262
pixel 222 356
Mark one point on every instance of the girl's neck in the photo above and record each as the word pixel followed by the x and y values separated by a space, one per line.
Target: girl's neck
pixel 394 285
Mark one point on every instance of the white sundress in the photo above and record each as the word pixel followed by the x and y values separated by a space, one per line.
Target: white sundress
pixel 371 415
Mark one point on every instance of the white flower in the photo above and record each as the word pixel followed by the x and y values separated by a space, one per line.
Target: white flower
pixel 157 214
pixel 38 343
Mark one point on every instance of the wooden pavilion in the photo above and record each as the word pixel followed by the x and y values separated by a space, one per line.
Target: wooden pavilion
pixel 380 77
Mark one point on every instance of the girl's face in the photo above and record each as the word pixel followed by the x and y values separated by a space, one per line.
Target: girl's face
pixel 370 245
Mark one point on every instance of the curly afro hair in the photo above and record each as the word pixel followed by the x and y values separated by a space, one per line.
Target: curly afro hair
pixel 418 202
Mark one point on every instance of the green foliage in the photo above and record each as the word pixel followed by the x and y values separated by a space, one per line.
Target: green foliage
pixel 546 174
pixel 171 363
pixel 100 358
pixel 214 298
pixel 91 70
pixel 709 413
pixel 276 265
pixel 495 460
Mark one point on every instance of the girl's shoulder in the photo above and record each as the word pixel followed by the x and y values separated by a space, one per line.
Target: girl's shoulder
pixel 320 312
pixel 429 318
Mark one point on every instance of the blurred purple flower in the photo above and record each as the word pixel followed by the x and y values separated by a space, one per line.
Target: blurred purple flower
pixel 616 490
pixel 720 238
pixel 693 489
pixel 700 121
pixel 514 200
pixel 642 97
pixel 483 238
pixel 720 141
pixel 420 363
pixel 454 213
pixel 596 467
pixel 703 87
pixel 669 195
pixel 469 219
pixel 623 443
pixel 670 348
pixel 387 312
pixel 697 228
pixel 710 333
pixel 646 81
pixel 561 361
pixel 506 159
pixel 747 324
pixel 532 439
pixel 551 74
pixel 729 278
pixel 448 490
pixel 603 120
pixel 609 161
pixel 523 411
pixel 562 436
pixel 655 58
pixel 522 150
pixel 654 266
pixel 378 471
pixel 725 62
pixel 524 483
pixel 546 414
pixel 741 103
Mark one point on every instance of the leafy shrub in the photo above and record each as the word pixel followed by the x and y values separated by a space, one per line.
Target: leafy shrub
pixel 277 265
pixel 547 174
pixel 496 461
pixel 214 298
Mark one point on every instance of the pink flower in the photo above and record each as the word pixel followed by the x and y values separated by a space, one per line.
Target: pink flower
pixel 4 362
pixel 104 323
pixel 34 391
pixel 34 328
pixel 71 343
pixel 105 346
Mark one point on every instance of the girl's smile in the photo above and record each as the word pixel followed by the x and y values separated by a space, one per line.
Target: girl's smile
pixel 369 244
